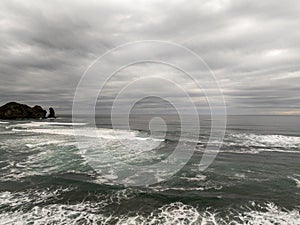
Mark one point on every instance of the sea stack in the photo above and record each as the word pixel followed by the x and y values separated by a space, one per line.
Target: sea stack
pixel 51 113
pixel 14 110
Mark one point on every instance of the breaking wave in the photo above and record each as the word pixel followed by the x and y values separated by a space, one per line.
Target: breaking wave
pixel 270 141
pixel 50 147
pixel 255 143
pixel 87 212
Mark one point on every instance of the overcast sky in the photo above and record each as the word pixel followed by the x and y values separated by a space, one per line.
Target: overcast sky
pixel 252 47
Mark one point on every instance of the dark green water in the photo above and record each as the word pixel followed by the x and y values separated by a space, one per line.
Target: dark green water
pixel 46 179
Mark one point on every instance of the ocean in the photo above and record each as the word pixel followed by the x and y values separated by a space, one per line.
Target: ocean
pixel 46 179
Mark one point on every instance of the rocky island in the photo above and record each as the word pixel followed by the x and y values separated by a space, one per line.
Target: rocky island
pixel 14 110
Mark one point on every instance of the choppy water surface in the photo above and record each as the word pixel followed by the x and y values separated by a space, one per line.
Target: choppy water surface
pixel 45 178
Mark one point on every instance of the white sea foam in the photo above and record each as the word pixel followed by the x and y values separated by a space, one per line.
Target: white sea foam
pixel 270 214
pixel 264 141
pixel 3 122
pixel 89 132
pixel 240 175
pixel 56 153
pixel 90 212
pixel 44 124
pixel 81 213
pixel 163 189
pixel 46 142
pixel 196 178
pixel 204 187
pixel 251 143
pixel 296 179
pixel 173 213
pixel 43 155
pixel 11 199
pixel 250 150
pixel 256 143
pixel 105 133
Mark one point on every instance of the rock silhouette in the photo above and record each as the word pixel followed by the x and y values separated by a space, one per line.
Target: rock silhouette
pixel 51 113
pixel 14 110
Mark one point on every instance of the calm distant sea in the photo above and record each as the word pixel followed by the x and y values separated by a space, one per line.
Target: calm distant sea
pixel 255 179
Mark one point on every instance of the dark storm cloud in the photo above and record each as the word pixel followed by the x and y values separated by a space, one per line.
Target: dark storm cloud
pixel 253 47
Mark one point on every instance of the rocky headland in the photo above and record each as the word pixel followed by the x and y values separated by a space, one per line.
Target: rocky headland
pixel 14 110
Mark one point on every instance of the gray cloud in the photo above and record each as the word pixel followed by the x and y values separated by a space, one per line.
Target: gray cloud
pixel 253 47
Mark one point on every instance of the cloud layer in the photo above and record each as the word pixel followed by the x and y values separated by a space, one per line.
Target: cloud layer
pixel 253 47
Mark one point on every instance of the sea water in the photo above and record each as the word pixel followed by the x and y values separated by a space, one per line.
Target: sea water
pixel 46 179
